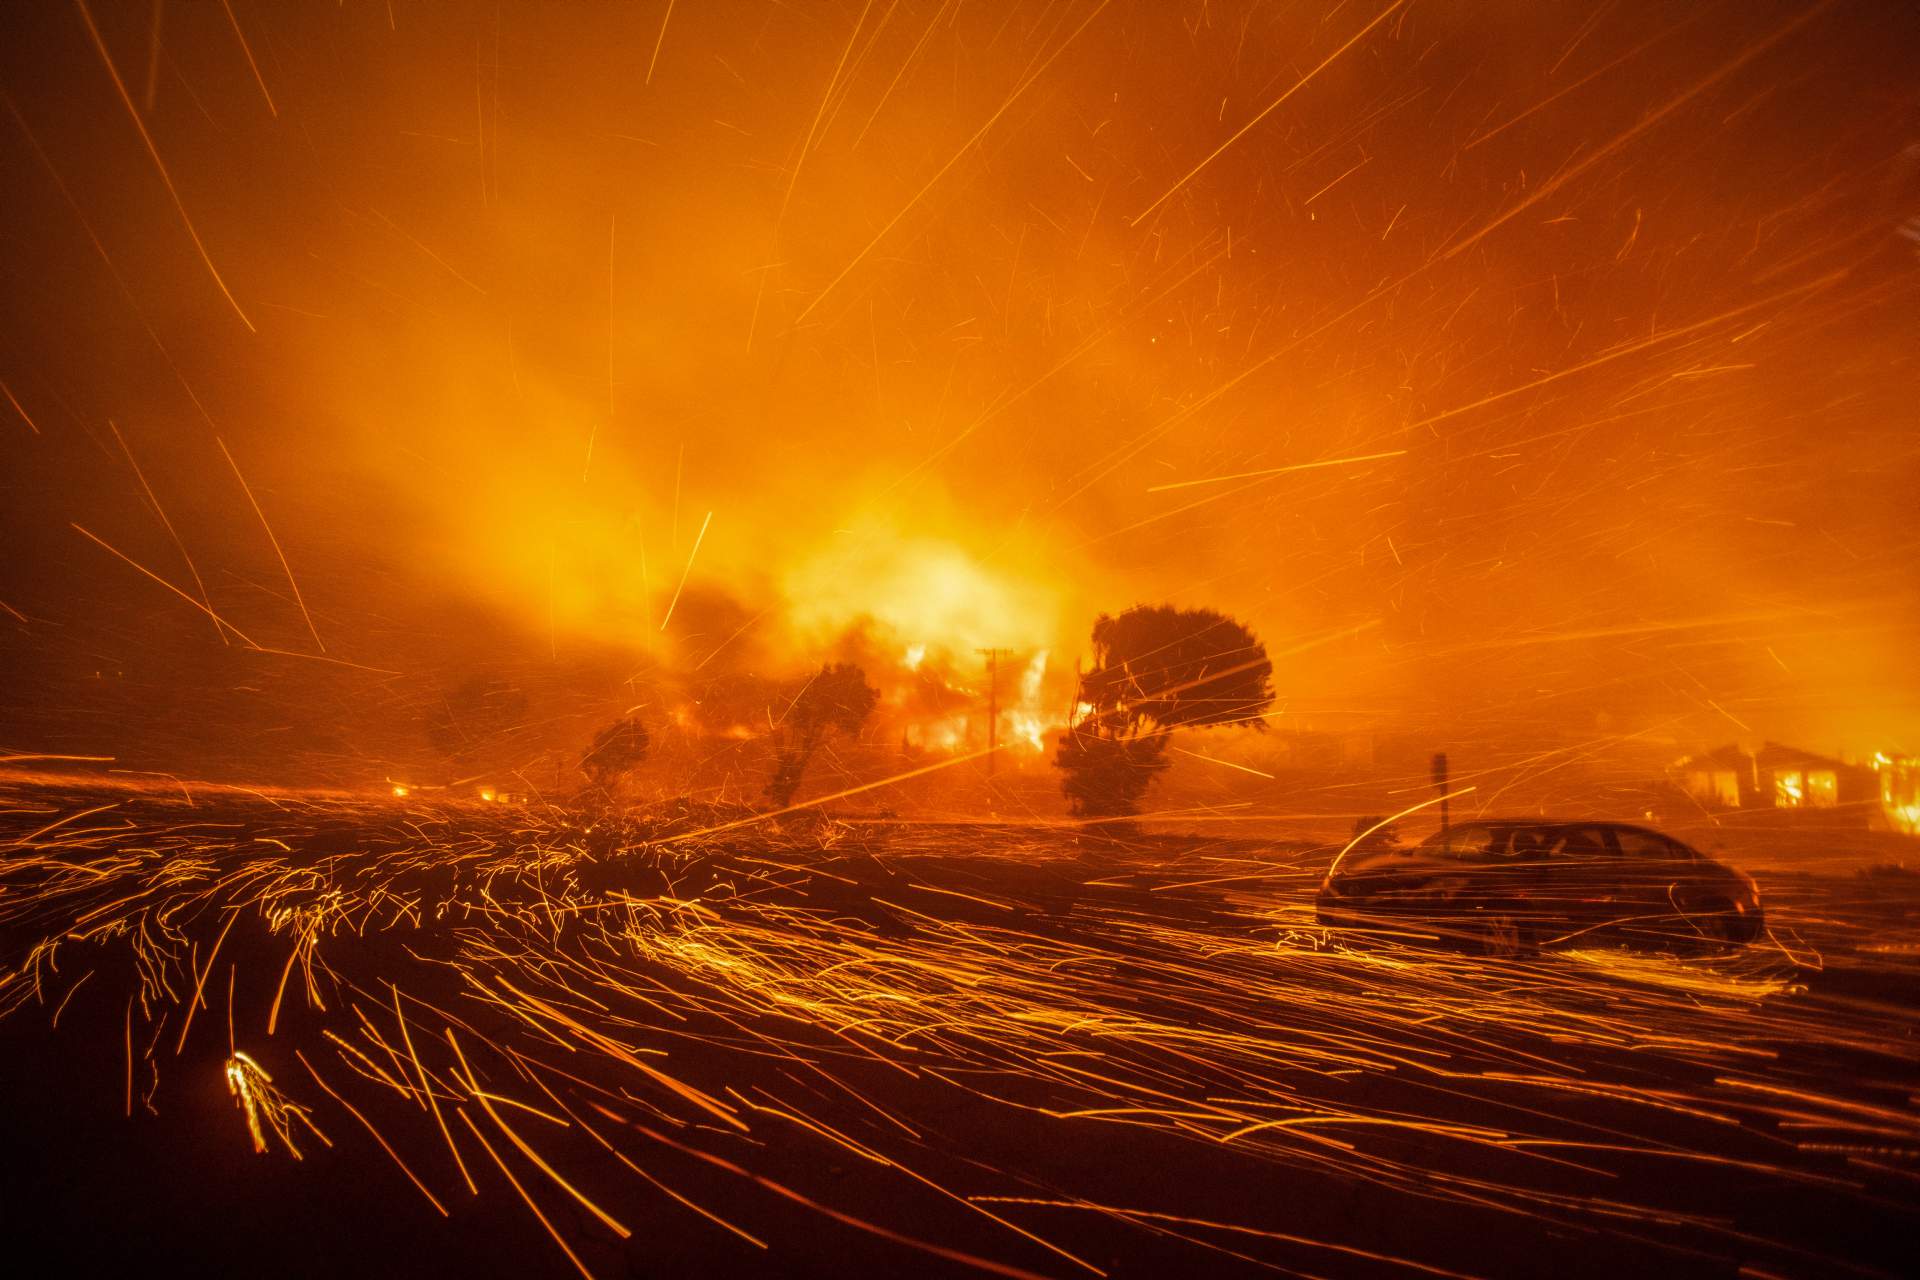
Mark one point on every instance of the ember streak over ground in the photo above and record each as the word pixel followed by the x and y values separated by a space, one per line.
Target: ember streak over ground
pixel 402 405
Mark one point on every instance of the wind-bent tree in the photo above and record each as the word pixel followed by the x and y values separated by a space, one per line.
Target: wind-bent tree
pixel 617 750
pixel 837 698
pixel 1156 669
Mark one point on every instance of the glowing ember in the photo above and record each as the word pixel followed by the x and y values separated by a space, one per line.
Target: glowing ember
pixel 268 1111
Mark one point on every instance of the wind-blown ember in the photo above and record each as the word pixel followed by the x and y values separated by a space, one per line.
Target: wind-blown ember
pixel 641 1021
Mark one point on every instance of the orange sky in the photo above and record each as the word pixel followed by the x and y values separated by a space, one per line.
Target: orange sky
pixel 1511 368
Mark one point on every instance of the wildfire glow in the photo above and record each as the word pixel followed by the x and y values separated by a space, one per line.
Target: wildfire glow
pixel 933 595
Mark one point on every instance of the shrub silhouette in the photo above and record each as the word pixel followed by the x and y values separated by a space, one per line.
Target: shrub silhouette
pixel 617 750
pixel 837 698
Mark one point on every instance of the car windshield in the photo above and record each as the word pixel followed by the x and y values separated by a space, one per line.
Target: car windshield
pixel 1559 841
pixel 1649 845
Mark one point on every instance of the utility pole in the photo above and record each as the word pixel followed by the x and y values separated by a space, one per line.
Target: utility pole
pixel 1440 781
pixel 993 657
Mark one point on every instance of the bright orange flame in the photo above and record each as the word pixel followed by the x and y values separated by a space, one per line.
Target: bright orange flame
pixel 929 594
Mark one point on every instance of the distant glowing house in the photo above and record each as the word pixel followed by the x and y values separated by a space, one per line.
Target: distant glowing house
pixel 1784 778
pixel 1722 779
pixel 1899 791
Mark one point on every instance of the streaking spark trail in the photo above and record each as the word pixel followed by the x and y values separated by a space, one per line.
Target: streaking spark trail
pixel 635 1027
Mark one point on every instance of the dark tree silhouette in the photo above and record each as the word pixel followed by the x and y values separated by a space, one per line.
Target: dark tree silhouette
pixel 837 698
pixel 1156 669
pixel 616 751
pixel 1105 776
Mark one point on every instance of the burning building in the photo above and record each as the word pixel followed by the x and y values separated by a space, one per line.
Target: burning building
pixel 1783 779
pixel 1899 778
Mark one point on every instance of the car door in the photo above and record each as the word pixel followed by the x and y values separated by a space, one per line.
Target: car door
pixel 1452 895
pixel 1523 882
pixel 1650 865
pixel 1583 885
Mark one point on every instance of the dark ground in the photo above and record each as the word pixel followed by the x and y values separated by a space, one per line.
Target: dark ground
pixel 915 1025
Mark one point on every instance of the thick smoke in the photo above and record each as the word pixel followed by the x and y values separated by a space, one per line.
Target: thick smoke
pixel 1531 381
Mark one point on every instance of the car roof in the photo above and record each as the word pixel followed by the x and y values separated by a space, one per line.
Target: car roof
pixel 1549 822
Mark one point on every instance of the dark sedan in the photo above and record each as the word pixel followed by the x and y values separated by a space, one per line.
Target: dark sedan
pixel 1510 887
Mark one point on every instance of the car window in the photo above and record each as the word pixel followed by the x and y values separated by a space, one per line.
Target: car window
pixel 1470 841
pixel 1581 842
pixel 1648 846
pixel 1533 842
